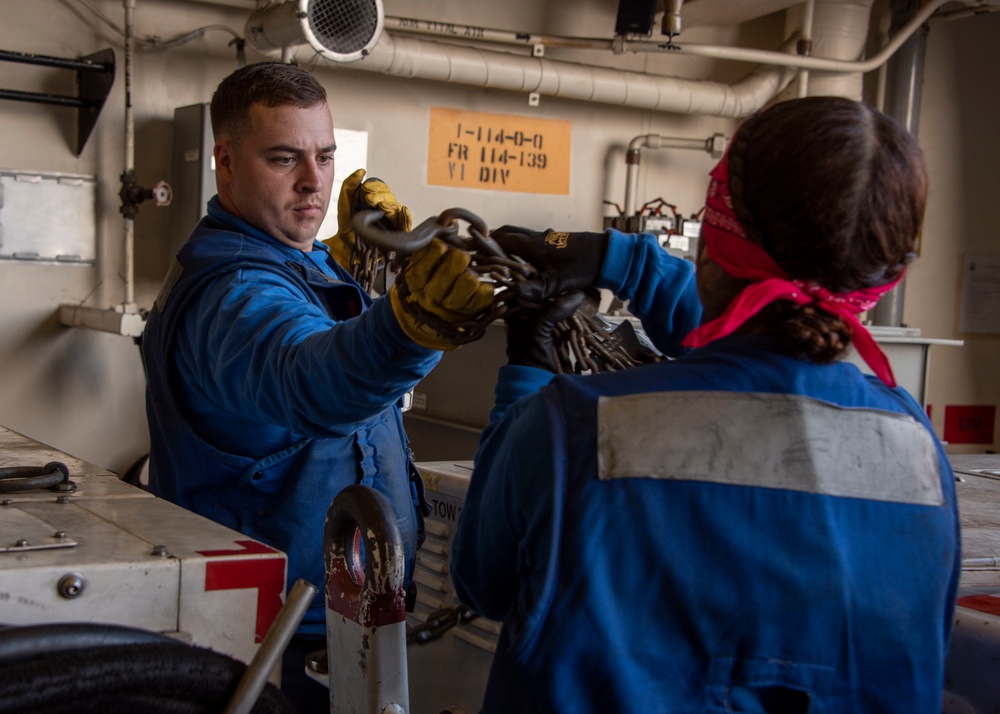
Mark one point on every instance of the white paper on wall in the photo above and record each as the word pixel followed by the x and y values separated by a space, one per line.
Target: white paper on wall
pixel 47 217
pixel 980 311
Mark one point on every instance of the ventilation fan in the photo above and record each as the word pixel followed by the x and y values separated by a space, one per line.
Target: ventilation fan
pixel 339 30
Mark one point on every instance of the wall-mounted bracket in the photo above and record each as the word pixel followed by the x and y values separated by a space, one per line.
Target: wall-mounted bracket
pixel 95 74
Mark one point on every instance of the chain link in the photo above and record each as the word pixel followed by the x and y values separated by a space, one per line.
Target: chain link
pixel 438 623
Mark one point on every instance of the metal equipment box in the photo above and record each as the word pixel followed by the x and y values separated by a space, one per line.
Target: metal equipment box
pixel 108 552
pixel 972 671
pixel 448 674
pixel 193 178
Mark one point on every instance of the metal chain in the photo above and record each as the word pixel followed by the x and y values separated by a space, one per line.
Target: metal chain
pixel 583 342
pixel 438 623
pixel 368 262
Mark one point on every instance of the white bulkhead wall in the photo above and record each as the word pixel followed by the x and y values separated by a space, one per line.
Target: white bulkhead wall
pixel 82 390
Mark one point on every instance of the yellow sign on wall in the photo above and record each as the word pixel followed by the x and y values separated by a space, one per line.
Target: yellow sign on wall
pixel 499 152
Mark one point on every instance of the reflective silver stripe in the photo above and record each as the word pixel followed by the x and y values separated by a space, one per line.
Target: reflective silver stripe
pixel 768 440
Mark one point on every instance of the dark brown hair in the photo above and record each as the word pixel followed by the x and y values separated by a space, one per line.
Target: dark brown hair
pixel 272 84
pixel 835 192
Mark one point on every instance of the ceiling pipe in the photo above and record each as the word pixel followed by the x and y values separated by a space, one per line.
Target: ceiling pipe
pixel 805 45
pixel 766 57
pixel 459 32
pixel 129 249
pixel 839 31
pixel 403 55
pixel 414 58
pixel 903 90
pixel 715 145
pixel 782 58
pixel 123 319
pixel 905 72
pixel 126 318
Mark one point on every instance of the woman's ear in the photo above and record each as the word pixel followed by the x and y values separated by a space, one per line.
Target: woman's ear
pixel 716 288
pixel 701 254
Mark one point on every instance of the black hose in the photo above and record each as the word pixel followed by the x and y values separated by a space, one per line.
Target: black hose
pixel 153 678
pixel 20 643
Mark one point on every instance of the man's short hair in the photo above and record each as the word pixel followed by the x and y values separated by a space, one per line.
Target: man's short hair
pixel 272 84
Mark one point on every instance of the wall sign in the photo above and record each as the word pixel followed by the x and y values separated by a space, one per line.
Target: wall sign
pixel 969 424
pixel 498 152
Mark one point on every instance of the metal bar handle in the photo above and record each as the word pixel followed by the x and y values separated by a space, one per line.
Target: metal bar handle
pixel 83 63
pixel 269 653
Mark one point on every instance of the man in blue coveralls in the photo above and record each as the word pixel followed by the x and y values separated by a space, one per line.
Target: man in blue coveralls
pixel 274 380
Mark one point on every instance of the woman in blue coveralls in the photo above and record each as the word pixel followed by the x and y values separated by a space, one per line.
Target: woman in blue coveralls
pixel 756 525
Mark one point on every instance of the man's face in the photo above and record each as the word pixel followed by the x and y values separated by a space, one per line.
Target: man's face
pixel 278 175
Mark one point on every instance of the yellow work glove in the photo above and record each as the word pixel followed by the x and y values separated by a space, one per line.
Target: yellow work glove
pixel 435 292
pixel 358 194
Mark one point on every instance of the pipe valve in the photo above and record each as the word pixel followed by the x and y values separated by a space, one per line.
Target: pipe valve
pixel 132 194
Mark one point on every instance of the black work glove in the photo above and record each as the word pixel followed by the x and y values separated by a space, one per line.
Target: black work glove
pixel 530 338
pixel 565 261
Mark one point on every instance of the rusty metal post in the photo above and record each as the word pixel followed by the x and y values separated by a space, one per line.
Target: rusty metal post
pixel 365 616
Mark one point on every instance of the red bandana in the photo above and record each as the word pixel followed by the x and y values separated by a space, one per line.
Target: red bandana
pixel 728 246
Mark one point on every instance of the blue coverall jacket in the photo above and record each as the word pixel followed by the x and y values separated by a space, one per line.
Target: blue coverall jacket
pixel 736 530
pixel 273 383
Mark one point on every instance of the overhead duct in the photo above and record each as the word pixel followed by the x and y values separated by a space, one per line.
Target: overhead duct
pixel 338 30
pixel 837 28
pixel 421 59
pixel 839 31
